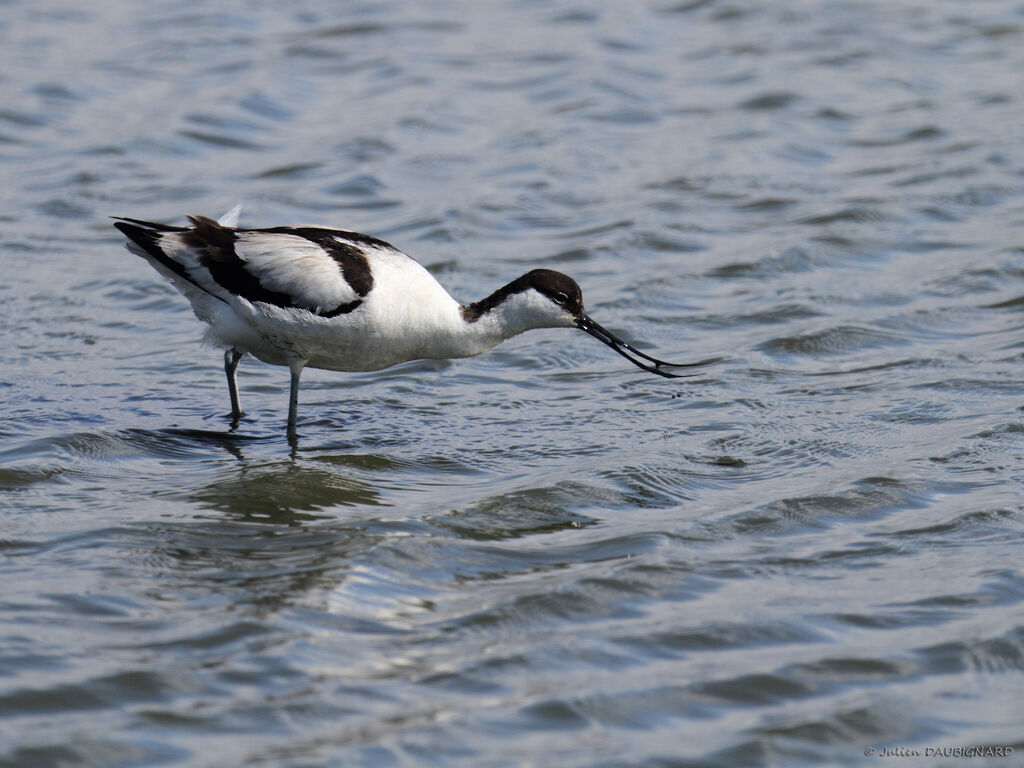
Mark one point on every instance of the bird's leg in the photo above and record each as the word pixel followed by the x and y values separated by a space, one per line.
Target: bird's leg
pixel 231 358
pixel 296 367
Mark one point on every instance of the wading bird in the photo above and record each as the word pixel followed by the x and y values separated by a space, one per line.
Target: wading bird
pixel 328 298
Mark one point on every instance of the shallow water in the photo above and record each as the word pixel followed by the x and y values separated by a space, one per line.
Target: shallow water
pixel 540 556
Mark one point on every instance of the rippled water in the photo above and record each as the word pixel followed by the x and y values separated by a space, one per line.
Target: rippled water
pixel 541 556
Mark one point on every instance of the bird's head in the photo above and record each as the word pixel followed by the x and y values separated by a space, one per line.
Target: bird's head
pixel 543 298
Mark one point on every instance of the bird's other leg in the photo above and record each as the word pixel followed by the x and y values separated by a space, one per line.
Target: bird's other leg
pixel 296 367
pixel 231 358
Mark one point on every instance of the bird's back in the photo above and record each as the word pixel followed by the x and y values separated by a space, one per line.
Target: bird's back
pixel 335 298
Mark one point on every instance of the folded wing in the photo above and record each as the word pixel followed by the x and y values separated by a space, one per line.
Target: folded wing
pixel 323 271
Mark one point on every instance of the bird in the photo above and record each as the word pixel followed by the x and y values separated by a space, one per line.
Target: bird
pixel 315 297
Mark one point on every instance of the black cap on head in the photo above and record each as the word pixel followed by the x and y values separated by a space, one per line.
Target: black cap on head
pixel 561 289
pixel 558 287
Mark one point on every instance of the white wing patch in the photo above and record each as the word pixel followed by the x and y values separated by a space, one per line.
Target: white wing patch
pixel 230 219
pixel 294 266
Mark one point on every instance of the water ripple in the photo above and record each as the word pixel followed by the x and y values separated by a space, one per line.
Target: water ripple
pixel 540 554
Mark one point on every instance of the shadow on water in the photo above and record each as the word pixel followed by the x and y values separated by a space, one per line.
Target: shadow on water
pixel 290 490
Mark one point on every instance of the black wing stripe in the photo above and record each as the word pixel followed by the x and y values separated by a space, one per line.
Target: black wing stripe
pixel 216 247
pixel 341 309
pixel 146 239
pixel 314 233
pixel 152 225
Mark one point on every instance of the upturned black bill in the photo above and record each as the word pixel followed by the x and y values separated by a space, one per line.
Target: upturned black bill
pixel 585 323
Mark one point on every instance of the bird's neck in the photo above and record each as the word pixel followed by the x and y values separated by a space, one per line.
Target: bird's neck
pixel 507 313
pixel 473 332
pixel 448 330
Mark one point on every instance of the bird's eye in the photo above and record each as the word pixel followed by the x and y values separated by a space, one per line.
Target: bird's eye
pixel 562 298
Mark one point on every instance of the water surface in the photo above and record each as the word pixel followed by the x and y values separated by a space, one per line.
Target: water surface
pixel 541 556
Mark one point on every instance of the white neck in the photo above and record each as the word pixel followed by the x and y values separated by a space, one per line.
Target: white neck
pixel 517 313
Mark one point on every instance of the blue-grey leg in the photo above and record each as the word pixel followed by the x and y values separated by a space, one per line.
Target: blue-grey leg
pixel 231 358
pixel 296 367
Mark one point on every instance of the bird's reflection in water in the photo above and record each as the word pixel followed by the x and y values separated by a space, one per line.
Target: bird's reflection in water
pixel 267 532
